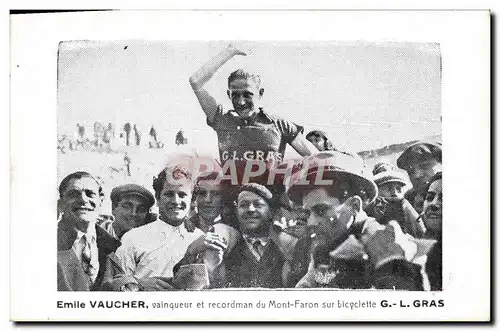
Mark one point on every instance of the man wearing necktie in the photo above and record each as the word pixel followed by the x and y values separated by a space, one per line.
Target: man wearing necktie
pixel 256 260
pixel 85 257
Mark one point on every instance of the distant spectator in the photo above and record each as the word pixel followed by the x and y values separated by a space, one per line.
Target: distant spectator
pixel 80 139
pixel 111 130
pixel 98 134
pixel 152 133
pixel 127 161
pixel 153 138
pixel 106 138
pixel 81 130
pixel 421 160
pixel 137 135
pixel 127 128
pixel 180 138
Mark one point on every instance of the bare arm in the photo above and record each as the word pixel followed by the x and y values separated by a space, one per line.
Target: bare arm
pixel 303 146
pixel 205 73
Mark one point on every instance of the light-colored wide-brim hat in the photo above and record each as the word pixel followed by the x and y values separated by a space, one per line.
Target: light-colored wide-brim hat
pixel 391 176
pixel 337 167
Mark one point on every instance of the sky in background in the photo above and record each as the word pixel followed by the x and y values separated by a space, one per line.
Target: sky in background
pixel 364 95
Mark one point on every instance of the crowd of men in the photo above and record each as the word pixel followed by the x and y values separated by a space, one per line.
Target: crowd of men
pixel 324 222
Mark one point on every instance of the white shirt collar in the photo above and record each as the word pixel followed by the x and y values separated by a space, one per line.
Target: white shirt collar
pixel 263 240
pixel 91 233
pixel 164 226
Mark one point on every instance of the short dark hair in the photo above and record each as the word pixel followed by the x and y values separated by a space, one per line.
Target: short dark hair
pixel 437 176
pixel 159 182
pixel 78 175
pixel 242 74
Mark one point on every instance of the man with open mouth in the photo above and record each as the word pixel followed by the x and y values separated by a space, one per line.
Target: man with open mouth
pixel 248 132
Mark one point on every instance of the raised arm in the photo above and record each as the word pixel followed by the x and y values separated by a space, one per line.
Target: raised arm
pixel 205 73
pixel 303 146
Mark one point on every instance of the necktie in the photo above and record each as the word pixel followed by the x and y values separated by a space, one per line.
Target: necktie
pixel 257 245
pixel 89 269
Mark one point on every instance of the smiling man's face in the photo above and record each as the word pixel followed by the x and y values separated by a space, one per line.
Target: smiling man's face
pixel 245 96
pixel 254 214
pixel 174 202
pixel 433 207
pixel 80 201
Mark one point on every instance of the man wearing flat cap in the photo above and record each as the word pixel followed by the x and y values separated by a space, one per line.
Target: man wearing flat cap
pixel 257 258
pixel 131 206
pixel 421 160
pixel 343 248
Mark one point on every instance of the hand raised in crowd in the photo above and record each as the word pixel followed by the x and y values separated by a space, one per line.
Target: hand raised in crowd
pixel 387 243
pixel 209 240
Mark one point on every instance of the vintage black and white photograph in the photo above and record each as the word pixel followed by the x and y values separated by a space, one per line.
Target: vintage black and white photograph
pixel 289 172
pixel 237 123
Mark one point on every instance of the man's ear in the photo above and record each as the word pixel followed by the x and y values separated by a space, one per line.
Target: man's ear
pixel 228 94
pixel 261 92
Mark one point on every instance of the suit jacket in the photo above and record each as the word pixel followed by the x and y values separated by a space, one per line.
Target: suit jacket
pixel 70 274
pixel 241 268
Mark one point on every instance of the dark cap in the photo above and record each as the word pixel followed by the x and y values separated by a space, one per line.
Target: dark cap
pixel 420 152
pixel 131 189
pixel 260 190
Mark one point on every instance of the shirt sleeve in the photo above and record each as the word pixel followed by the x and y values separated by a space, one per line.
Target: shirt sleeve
pixel 215 122
pixel 126 254
pixel 288 130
